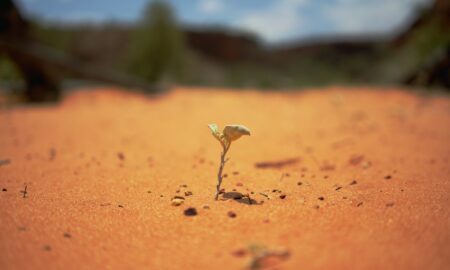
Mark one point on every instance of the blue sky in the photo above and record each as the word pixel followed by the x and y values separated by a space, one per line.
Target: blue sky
pixel 273 20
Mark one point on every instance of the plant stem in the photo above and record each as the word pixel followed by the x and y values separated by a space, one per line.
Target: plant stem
pixel 222 164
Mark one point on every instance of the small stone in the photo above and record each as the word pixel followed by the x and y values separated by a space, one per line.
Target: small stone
pixel 177 202
pixel 239 253
pixel 183 186
pixel 191 211
pixel 321 198
pixel 387 177
pixel 299 183
pixel 366 165
pixel 188 193
pixel 206 206
pixel 390 204
pixel 121 156
pixel 338 188
pixel 235 173
pixel 353 182
pixel 359 204
pixel 47 248
pixel 239 184
pixel 121 206
pixel 67 235
pixel 282 196
pixel 231 214
pixel 4 190
pixel 225 175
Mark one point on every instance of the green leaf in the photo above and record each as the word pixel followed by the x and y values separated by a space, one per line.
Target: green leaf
pixel 216 133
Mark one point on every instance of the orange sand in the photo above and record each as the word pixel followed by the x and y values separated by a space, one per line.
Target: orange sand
pixel 68 157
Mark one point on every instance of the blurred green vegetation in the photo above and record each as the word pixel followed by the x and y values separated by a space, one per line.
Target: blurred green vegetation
pixel 157 44
pixel 157 49
pixel 8 70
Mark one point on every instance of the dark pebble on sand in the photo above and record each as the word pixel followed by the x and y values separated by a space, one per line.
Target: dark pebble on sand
pixel 191 211
pixel 387 177
pixel 67 235
pixel 239 253
pixel 231 214
pixel 282 196
pixel 4 189
pixel 321 198
pixel 353 182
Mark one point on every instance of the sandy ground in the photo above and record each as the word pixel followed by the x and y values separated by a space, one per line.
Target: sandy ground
pixel 365 177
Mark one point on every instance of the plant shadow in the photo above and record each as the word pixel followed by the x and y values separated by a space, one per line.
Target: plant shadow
pixel 239 197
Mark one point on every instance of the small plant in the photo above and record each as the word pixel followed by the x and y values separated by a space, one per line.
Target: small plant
pixel 230 133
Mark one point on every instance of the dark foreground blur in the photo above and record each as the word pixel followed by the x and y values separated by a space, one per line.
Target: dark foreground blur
pixel 37 57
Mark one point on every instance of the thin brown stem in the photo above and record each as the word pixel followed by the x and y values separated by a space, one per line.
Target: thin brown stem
pixel 222 164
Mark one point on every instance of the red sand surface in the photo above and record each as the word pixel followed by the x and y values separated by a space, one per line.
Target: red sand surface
pixel 366 176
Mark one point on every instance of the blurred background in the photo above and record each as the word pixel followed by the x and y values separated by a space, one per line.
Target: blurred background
pixel 49 46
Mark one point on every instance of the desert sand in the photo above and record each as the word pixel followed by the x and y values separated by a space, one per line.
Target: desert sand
pixel 338 178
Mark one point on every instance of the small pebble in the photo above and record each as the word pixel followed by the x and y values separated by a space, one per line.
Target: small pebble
pixel 353 182
pixel 282 196
pixel 239 184
pixel 177 201
pixel 231 214
pixel 47 248
pixel 206 206
pixel 239 253
pixel 4 189
pixel 121 206
pixel 390 204
pixel 188 193
pixel 321 198
pixel 67 235
pixel 299 183
pixel 387 177
pixel 191 211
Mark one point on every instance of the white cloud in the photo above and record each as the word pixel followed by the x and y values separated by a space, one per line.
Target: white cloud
pixel 210 6
pixel 275 22
pixel 380 16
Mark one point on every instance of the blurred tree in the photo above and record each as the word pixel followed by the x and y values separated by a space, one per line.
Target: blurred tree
pixel 41 84
pixel 157 44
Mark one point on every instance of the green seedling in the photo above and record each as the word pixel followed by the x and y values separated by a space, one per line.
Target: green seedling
pixel 230 133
